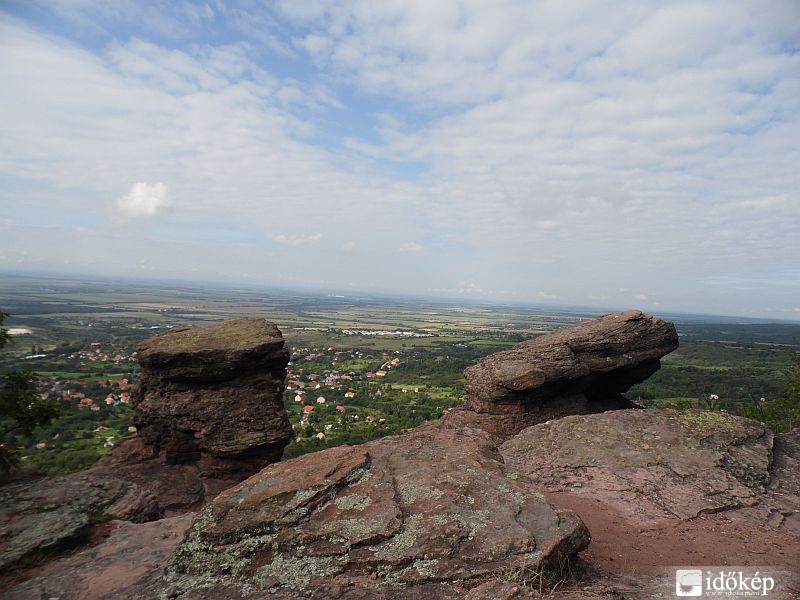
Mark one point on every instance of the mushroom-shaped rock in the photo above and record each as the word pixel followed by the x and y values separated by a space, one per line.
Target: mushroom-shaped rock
pixel 579 369
pixel 214 392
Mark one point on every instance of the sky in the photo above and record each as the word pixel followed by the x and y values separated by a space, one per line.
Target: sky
pixel 602 153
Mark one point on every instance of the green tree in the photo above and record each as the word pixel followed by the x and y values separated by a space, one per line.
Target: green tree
pixel 22 408
pixel 784 412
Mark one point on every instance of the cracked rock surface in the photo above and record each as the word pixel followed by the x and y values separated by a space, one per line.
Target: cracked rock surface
pixel 683 463
pixel 659 488
pixel 412 511
pixel 574 370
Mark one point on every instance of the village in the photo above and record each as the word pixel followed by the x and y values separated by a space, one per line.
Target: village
pixel 333 395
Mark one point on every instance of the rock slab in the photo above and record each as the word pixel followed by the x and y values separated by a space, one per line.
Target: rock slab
pixel 401 513
pixel 661 487
pixel 684 463
pixel 575 370
pixel 41 517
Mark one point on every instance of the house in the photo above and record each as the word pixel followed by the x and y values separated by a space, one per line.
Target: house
pixel 350 393
pixel 321 400
pixel 380 373
pixel 339 408
pixel 370 419
pixel 308 409
pixel 370 375
pixel 395 362
pixel 320 436
pixel 125 397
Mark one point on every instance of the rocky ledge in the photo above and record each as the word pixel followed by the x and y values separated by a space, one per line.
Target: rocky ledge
pixel 575 370
pixel 406 515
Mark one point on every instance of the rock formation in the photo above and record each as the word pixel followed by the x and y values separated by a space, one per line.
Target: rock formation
pixel 414 511
pixel 210 413
pixel 216 392
pixel 127 565
pixel 665 487
pixel 40 517
pixel 575 370
pixel 475 506
pixel 683 464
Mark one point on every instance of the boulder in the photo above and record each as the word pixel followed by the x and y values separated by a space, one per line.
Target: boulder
pixel 41 517
pixel 660 487
pixel 410 512
pixel 215 392
pixel 123 566
pixel 575 370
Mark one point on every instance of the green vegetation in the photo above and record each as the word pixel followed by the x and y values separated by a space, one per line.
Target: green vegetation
pixel 80 337
pixel 745 378
pixel 22 408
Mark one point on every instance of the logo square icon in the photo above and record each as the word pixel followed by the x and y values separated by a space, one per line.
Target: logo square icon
pixel 689 582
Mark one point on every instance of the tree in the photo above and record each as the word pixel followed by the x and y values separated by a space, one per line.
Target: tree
pixel 785 410
pixel 22 408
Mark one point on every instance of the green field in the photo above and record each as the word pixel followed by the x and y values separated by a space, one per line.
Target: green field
pixel 741 362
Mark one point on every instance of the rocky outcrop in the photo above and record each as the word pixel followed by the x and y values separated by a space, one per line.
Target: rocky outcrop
pixel 127 564
pixel 684 463
pixel 44 516
pixel 411 512
pixel 475 506
pixel 666 487
pixel 209 412
pixel 575 370
pixel 215 392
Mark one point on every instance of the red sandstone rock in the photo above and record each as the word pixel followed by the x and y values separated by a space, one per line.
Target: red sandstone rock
pixel 575 370
pixel 215 391
pixel 423 508
pixel 659 488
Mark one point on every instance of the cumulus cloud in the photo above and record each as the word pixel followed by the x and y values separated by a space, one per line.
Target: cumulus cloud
pixel 537 145
pixel 144 200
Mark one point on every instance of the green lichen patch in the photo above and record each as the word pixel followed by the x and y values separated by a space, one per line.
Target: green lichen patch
pixel 711 422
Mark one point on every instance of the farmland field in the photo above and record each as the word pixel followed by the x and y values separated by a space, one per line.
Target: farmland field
pixel 79 336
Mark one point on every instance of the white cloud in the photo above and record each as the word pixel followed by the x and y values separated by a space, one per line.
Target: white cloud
pixel 411 247
pixel 144 200
pixel 296 240
pixel 610 145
